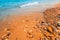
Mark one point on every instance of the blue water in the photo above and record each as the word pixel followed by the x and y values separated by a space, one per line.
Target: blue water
pixel 9 4
pixel 5 4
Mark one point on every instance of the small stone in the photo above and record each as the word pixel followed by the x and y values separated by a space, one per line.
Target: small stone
pixel 24 30
pixel 34 27
pixel 30 36
pixel 59 16
pixel 26 25
pixel 58 24
pixel 30 31
pixel 8 33
pixel 6 39
pixel 42 22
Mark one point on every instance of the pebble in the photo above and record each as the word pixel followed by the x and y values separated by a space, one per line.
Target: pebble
pixel 26 26
pixel 6 36
pixel 30 31
pixel 24 30
pixel 30 36
pixel 6 39
pixel 59 16
pixel 58 24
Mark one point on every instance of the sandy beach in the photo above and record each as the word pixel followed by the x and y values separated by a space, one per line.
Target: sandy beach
pixel 33 26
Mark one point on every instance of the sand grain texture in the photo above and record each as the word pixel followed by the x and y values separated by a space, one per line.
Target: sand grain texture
pixel 36 26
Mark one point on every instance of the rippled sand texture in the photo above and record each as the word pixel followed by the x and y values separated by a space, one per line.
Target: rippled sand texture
pixel 33 26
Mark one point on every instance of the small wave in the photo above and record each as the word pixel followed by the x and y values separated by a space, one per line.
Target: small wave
pixel 29 4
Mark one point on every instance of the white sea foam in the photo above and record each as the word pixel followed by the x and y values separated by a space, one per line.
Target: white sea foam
pixel 29 4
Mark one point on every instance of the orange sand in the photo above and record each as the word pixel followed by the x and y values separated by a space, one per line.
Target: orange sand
pixel 20 25
pixel 30 26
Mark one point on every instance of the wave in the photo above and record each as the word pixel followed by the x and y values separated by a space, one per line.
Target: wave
pixel 29 4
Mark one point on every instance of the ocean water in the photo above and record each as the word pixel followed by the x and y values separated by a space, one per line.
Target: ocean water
pixel 7 6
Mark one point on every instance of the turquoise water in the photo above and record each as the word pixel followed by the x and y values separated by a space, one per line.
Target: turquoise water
pixel 10 4
pixel 5 4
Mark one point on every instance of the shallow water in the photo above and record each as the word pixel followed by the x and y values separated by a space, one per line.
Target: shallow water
pixel 8 7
